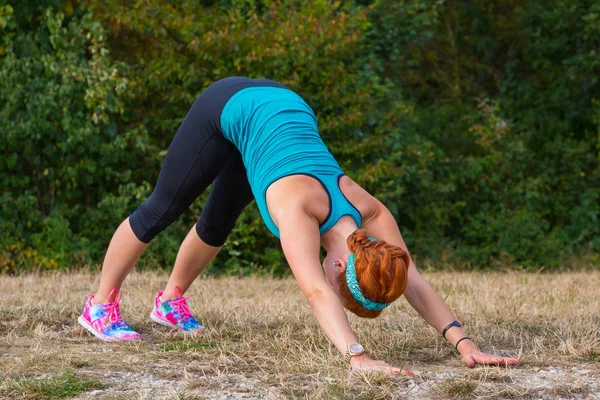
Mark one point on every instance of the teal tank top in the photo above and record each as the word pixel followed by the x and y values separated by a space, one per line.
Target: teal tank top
pixel 276 133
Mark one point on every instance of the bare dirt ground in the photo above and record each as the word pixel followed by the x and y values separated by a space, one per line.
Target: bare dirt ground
pixel 263 343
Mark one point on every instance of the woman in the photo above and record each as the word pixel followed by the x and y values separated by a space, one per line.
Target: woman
pixel 254 138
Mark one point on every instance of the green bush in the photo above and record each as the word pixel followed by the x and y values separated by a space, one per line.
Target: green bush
pixel 476 123
pixel 60 102
pixel 500 158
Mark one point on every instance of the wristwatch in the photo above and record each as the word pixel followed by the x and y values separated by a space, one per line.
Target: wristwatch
pixel 353 350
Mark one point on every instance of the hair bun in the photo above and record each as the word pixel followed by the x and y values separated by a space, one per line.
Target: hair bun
pixel 359 239
pixel 381 268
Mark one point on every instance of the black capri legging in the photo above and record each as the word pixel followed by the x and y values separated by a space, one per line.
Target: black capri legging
pixel 199 155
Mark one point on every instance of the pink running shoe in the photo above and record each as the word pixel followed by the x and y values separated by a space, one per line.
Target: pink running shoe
pixel 104 320
pixel 175 313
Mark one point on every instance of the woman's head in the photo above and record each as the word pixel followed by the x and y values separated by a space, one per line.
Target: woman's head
pixel 381 271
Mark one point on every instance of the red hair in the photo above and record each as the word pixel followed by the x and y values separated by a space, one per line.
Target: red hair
pixel 381 269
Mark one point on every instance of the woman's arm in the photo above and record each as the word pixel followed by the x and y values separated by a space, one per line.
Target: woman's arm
pixel 300 240
pixel 422 297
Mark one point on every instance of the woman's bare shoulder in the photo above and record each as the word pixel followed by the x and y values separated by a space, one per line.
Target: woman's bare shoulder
pixel 364 202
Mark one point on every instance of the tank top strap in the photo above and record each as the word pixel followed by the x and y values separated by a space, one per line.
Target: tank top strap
pixel 339 204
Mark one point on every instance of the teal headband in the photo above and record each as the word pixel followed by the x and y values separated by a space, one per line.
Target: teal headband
pixel 352 282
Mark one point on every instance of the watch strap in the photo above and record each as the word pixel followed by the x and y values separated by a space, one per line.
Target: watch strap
pixel 349 354
pixel 450 325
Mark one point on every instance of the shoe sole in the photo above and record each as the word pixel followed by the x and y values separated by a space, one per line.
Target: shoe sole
pixel 99 335
pixel 91 330
pixel 161 321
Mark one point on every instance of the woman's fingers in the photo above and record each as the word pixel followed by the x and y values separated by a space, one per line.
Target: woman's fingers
pixel 480 358
pixel 469 360
pixel 383 367
pixel 400 371
pixel 507 361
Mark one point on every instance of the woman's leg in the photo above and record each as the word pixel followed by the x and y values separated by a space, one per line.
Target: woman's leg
pixel 123 252
pixel 195 158
pixel 193 256
pixel 229 195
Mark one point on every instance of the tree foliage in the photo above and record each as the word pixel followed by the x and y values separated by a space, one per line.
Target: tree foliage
pixel 476 122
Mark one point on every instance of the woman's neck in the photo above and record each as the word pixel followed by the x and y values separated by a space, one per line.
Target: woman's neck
pixel 334 240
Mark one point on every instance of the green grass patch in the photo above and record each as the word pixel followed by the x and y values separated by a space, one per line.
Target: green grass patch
pixel 457 388
pixel 62 386
pixel 80 364
pixel 592 356
pixel 185 346
pixel 335 390
pixel 399 348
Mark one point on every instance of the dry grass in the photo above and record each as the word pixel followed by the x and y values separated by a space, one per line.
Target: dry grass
pixel 262 342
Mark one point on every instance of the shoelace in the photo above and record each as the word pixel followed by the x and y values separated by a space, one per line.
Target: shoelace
pixel 113 314
pixel 181 308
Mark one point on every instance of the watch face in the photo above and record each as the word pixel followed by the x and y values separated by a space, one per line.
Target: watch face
pixel 357 348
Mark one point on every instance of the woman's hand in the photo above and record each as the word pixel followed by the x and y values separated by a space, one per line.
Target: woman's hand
pixel 364 363
pixel 472 356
